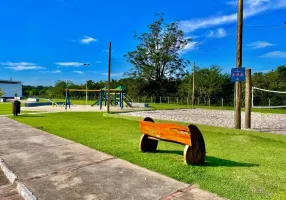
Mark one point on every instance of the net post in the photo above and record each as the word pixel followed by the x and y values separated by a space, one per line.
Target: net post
pixel 248 99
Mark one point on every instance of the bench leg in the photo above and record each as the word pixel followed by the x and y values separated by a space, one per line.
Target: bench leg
pixel 196 153
pixel 147 144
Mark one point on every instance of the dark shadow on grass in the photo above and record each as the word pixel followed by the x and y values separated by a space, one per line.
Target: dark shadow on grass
pixel 170 151
pixel 219 162
pixel 213 161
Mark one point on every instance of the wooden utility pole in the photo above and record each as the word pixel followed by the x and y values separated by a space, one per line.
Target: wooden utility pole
pixel 193 95
pixel 108 84
pixel 238 63
pixel 248 86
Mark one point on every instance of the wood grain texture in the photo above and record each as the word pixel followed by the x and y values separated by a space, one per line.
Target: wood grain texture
pixel 169 132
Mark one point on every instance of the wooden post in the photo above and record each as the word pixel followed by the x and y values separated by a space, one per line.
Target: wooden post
pixel 221 102
pixel 168 100
pixel 160 99
pixel 108 85
pixel 248 94
pixel 193 95
pixel 177 100
pixel 238 62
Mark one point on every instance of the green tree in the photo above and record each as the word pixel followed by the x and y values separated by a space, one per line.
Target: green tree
pixel 1 92
pixel 60 86
pixel 157 56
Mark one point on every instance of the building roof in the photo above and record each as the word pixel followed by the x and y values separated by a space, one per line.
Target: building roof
pixel 10 82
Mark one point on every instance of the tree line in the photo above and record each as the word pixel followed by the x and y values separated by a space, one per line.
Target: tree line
pixel 211 85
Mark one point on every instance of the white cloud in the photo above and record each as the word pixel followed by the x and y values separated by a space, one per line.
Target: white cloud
pixel 260 44
pixel 87 40
pixel 274 54
pixel 56 71
pixel 114 74
pixel 20 66
pixel 106 50
pixel 79 72
pixel 251 8
pixel 70 64
pixel 218 33
pixel 190 47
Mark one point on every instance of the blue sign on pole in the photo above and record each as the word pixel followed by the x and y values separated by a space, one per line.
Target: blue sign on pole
pixel 237 74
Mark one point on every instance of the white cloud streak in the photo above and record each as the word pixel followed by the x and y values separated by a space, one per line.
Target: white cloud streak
pixel 260 44
pixel 56 71
pixel 87 40
pixel 79 72
pixel 21 66
pixel 218 33
pixel 191 46
pixel 69 64
pixel 274 54
pixel 251 8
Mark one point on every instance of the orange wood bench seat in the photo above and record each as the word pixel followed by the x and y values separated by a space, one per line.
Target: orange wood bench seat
pixel 194 152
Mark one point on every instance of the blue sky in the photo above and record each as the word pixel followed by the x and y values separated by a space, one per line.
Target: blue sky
pixel 48 40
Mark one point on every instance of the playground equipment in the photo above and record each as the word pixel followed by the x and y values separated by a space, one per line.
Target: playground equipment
pixel 194 152
pixel 117 96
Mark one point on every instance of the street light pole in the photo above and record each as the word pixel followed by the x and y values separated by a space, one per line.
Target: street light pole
pixel 86 64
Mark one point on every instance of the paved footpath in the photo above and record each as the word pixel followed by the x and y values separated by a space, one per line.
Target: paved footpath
pixel 49 167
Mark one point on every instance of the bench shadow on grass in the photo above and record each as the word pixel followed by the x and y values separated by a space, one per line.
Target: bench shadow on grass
pixel 212 161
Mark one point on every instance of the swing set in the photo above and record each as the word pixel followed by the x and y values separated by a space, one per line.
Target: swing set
pixel 118 95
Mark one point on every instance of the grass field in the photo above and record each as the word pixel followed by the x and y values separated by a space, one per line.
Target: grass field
pixel 240 164
pixel 165 106
pixel 6 108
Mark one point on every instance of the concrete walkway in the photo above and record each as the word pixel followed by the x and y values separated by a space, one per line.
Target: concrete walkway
pixel 49 167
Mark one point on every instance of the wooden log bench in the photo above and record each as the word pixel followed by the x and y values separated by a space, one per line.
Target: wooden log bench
pixel 194 152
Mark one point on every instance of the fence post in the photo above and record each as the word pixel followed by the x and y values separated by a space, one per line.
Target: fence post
pixel 187 101
pixel 221 102
pixel 198 100
pixel 269 102
pixel 168 100
pixel 160 99
pixel 151 100
pixel 177 100
pixel 138 99
pixel 209 101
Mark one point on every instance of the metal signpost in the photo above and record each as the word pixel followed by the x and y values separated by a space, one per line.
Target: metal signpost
pixel 237 75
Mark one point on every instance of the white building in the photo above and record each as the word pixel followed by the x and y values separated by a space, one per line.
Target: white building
pixel 11 88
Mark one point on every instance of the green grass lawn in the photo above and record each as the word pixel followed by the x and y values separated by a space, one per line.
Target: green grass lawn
pixel 239 164
pixel 165 106
pixel 6 108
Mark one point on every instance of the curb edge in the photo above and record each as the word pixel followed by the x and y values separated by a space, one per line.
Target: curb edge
pixel 12 177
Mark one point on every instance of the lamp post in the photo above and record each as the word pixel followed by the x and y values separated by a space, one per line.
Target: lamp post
pixel 86 64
